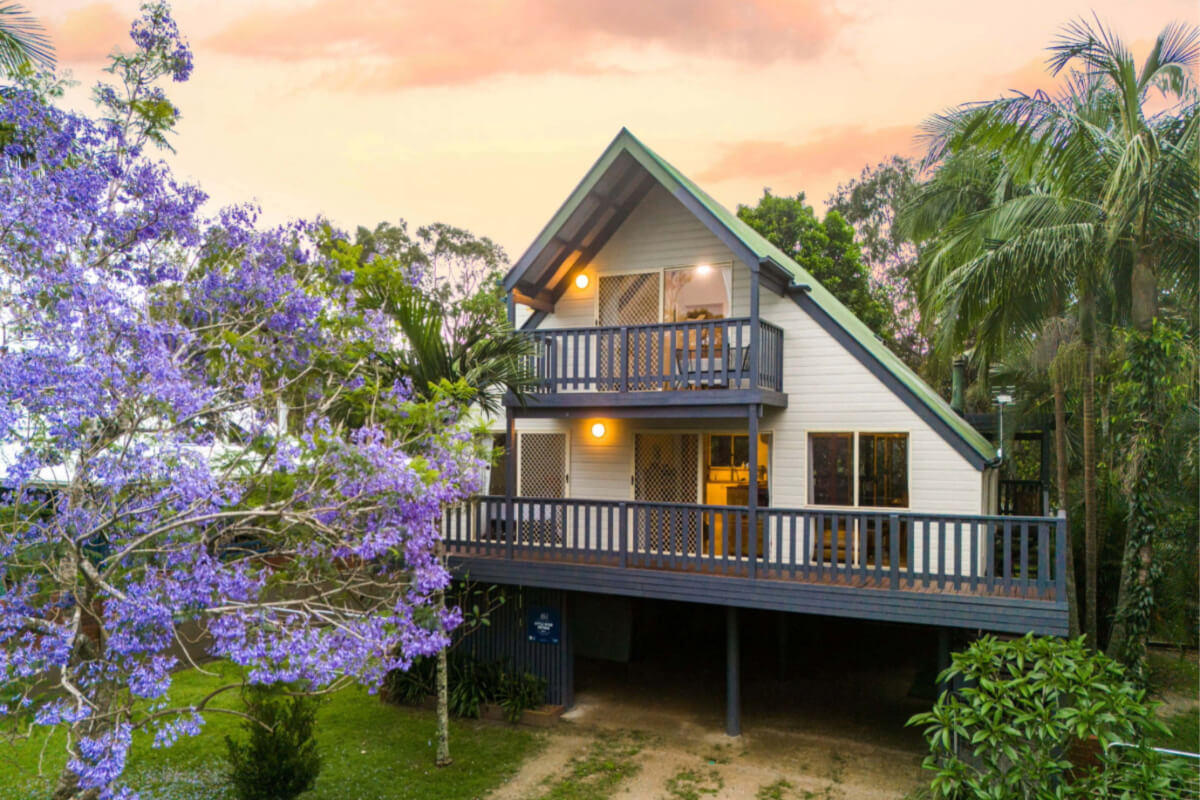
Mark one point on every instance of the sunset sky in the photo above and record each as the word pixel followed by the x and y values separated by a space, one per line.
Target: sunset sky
pixel 486 114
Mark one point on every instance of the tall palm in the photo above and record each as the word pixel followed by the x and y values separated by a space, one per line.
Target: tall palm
pixel 22 39
pixel 1125 181
pixel 1002 257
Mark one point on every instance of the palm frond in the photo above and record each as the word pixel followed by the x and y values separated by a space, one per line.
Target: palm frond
pixel 23 39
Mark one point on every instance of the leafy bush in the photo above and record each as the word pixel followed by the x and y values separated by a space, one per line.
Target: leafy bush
pixel 411 686
pixel 279 759
pixel 1041 718
pixel 472 683
pixel 519 693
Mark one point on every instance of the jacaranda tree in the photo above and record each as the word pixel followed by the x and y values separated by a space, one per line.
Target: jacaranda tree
pixel 174 476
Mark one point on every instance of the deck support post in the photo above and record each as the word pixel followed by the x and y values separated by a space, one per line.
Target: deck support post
pixel 781 621
pixel 943 657
pixel 510 478
pixel 752 512
pixel 733 693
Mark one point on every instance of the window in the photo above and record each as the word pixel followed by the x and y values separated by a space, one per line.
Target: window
pixel 883 470
pixel 874 473
pixel 497 467
pixel 727 469
pixel 700 292
pixel 831 476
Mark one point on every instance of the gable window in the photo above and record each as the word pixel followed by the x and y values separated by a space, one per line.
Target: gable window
pixel 858 469
pixel 698 292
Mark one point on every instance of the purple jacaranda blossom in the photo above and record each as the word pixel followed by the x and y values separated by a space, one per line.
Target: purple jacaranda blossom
pixel 175 455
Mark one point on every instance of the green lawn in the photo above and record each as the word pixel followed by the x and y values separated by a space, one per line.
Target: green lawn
pixel 370 751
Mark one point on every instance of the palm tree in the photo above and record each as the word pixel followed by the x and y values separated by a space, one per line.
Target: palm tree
pixel 22 39
pixel 1000 255
pixel 1119 196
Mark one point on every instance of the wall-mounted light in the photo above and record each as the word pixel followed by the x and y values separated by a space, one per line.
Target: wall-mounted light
pixel 703 269
pixel 598 430
pixel 581 280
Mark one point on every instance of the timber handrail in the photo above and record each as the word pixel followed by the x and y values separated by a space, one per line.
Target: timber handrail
pixel 887 549
pixel 692 354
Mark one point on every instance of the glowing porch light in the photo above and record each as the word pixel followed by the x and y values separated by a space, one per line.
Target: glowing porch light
pixel 703 269
pixel 598 430
pixel 581 280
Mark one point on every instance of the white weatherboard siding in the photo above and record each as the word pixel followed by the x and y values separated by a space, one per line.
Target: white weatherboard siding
pixel 828 388
pixel 659 233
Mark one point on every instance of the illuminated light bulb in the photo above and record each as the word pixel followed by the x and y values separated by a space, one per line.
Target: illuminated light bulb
pixel 598 430
pixel 703 269
pixel 581 280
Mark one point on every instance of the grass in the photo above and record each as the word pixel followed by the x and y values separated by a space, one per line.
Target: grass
pixel 597 772
pixel 690 784
pixel 1184 732
pixel 369 751
pixel 1170 672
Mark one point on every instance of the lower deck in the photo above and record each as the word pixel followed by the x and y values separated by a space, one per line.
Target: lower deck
pixel 1003 574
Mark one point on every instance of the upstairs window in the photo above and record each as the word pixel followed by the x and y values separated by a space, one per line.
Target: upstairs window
pixel 697 293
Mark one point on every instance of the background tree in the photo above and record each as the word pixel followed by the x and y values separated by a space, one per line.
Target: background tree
pixel 827 249
pixel 172 455
pixel 871 203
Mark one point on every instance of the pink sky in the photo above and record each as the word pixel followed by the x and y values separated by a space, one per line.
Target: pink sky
pixel 486 113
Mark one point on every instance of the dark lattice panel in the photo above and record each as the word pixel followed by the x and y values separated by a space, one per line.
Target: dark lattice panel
pixel 628 300
pixel 543 473
pixel 666 470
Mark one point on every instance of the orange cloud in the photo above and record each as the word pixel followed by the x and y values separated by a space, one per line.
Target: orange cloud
pixel 89 33
pixel 381 45
pixel 834 152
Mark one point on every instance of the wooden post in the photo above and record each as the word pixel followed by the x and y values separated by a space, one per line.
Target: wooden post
pixel 733 698
pixel 510 478
pixel 943 657
pixel 755 331
pixel 752 515
pixel 781 621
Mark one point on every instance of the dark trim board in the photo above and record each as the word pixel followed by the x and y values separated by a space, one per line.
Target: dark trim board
pixel 667 402
pixel 1001 615
pixel 853 346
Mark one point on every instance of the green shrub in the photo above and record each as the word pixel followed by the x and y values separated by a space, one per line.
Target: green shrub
pixel 411 686
pixel 471 684
pixel 519 693
pixel 278 759
pixel 1015 730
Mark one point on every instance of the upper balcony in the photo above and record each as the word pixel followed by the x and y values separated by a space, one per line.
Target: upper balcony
pixel 710 362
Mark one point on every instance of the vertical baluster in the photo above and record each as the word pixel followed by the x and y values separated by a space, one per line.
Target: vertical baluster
pixel 927 530
pixel 1007 575
pixel 974 568
pixel 942 554
pixel 1024 558
pixel 878 550
pixel 959 549
pixel 1043 565
pixel 894 550
pixel 589 373
pixel 819 545
pixel 792 554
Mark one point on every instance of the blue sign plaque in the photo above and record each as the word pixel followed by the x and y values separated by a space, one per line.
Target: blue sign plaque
pixel 543 625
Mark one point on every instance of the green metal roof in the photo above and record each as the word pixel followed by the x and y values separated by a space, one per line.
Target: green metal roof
pixel 676 182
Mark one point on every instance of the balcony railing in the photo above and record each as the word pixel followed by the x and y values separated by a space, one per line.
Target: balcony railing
pixel 698 354
pixel 1003 556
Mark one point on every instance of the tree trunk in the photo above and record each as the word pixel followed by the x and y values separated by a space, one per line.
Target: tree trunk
pixel 443 698
pixel 1060 471
pixel 1091 554
pixel 1143 285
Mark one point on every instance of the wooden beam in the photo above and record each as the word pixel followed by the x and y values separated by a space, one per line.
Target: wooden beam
pixel 541 302
pixel 733 686
pixel 618 219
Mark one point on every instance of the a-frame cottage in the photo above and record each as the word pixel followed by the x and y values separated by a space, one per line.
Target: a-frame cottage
pixel 710 424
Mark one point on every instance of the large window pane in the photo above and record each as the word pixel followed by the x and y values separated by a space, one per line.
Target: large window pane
pixel 883 470
pixel 700 292
pixel 831 476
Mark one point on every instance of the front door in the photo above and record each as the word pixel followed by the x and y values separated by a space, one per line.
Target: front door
pixel 623 300
pixel 666 469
